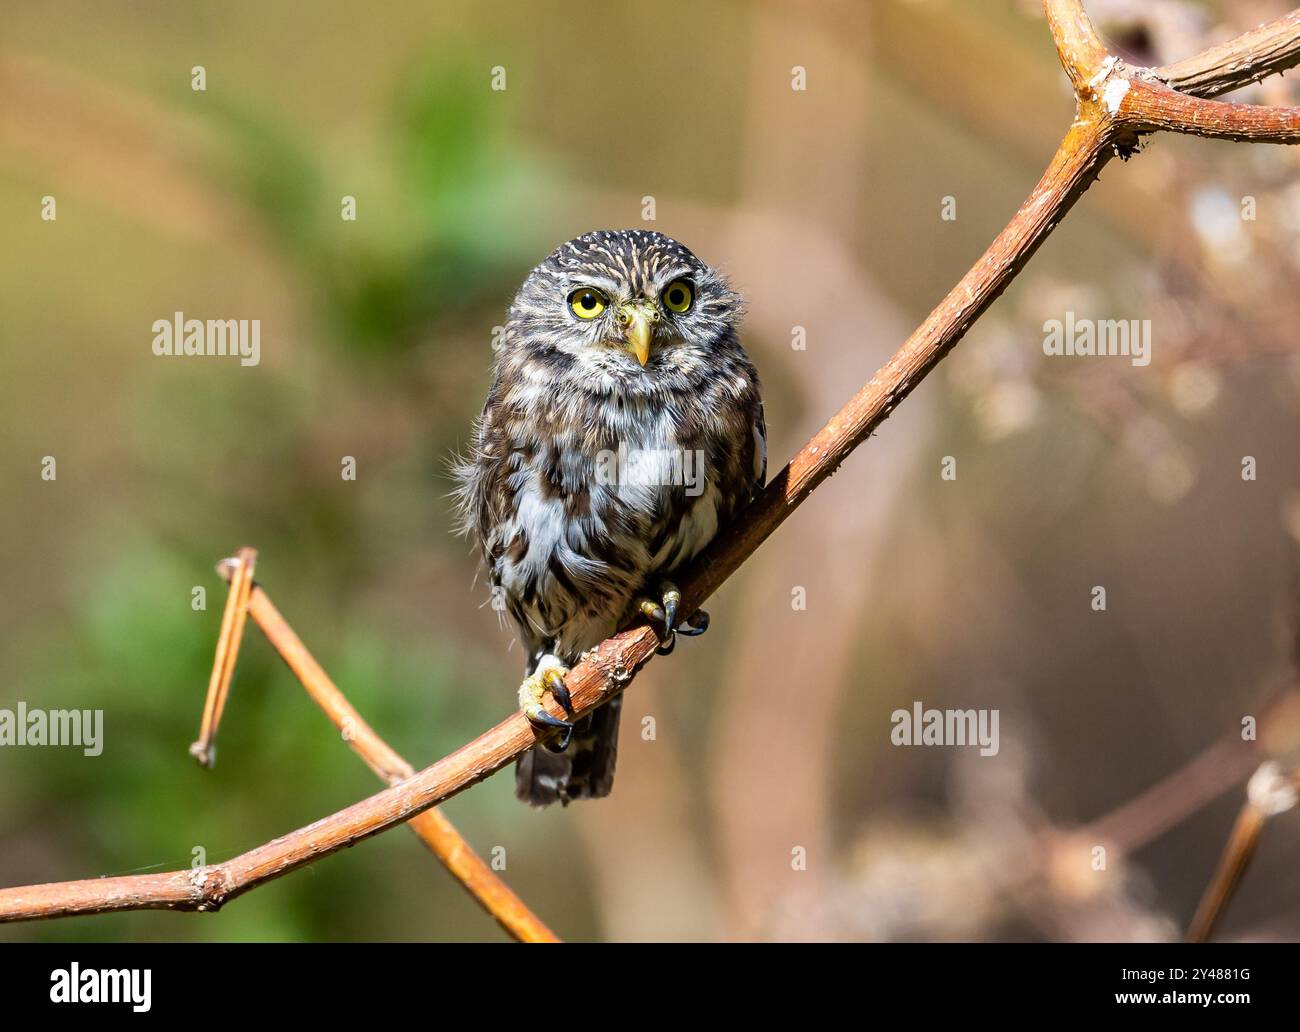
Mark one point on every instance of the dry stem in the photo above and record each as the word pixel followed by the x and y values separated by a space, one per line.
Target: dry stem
pixel 1271 791
pixel 223 666
pixel 433 828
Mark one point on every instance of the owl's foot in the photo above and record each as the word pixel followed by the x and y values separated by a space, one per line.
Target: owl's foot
pixel 549 676
pixel 663 615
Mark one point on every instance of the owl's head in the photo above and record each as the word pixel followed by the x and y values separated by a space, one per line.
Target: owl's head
pixel 629 304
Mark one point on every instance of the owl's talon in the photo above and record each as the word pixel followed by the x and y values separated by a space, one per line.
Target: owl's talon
pixel 664 614
pixel 541 717
pixel 666 648
pixel 652 611
pixel 672 599
pixel 547 677
pixel 561 692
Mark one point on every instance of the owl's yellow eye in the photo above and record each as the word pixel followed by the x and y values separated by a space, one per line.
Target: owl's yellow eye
pixel 678 296
pixel 587 302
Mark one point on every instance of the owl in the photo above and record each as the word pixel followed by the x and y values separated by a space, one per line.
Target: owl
pixel 623 429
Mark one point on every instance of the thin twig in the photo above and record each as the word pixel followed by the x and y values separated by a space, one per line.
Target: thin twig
pixel 1252 56
pixel 1271 791
pixel 1203 779
pixel 1112 112
pixel 436 831
pixel 1174 798
pixel 1078 46
pixel 1151 106
pixel 223 665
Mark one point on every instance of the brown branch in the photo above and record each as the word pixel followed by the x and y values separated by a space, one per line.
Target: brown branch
pixel 1175 797
pixel 1111 113
pixel 223 665
pixel 1271 791
pixel 1085 149
pixel 208 888
pixel 433 828
pixel 1149 107
pixel 1078 46
pixel 1203 779
pixel 1252 56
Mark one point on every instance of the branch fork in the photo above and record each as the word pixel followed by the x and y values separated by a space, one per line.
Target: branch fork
pixel 1133 101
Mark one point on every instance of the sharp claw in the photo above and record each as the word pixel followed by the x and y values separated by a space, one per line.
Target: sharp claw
pixel 561 692
pixel 664 617
pixel 541 717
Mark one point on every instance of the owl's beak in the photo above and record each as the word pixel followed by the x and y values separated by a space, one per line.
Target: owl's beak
pixel 637 329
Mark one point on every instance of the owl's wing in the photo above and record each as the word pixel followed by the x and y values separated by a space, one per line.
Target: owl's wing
pixel 489 505
pixel 760 447
pixel 483 493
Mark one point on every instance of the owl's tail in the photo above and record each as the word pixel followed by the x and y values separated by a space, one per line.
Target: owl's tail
pixel 585 770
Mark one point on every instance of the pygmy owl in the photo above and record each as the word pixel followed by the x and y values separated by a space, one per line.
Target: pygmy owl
pixel 622 431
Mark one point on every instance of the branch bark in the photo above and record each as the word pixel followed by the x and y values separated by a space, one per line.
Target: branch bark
pixel 1080 49
pixel 1115 105
pixel 231 637
pixel 1254 55
pixel 1150 107
pixel 1271 791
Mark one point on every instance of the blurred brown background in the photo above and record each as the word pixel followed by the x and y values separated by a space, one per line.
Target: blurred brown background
pixel 772 733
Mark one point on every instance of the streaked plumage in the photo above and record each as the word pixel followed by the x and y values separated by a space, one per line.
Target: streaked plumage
pixel 571 535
